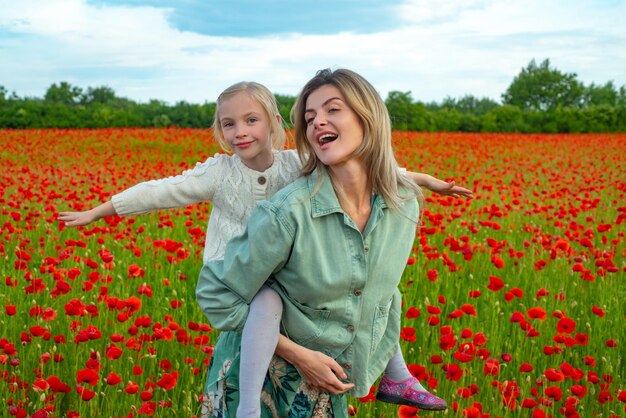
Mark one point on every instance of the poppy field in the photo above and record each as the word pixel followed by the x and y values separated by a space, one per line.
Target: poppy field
pixel 513 302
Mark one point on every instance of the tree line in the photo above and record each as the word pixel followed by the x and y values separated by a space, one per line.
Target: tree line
pixel 540 98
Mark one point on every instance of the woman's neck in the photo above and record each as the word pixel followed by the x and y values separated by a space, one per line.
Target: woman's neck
pixel 355 197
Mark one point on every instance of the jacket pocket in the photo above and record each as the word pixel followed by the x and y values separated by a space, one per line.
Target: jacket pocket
pixel 381 318
pixel 302 323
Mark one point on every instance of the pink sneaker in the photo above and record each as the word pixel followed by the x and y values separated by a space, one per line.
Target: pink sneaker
pixel 402 393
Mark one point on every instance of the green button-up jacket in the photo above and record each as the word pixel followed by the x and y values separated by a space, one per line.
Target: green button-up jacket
pixel 339 287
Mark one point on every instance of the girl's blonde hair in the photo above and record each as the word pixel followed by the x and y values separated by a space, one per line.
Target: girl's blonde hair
pixel 376 150
pixel 265 98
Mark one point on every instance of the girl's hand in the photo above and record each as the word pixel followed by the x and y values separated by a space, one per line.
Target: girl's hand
pixel 76 218
pixel 322 372
pixel 88 216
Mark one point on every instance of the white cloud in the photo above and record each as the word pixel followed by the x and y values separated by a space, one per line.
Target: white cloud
pixel 442 49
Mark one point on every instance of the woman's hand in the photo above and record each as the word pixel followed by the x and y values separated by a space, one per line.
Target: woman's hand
pixel 446 188
pixel 322 372
pixel 449 188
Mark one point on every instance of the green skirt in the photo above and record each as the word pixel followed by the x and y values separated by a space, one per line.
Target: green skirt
pixel 285 394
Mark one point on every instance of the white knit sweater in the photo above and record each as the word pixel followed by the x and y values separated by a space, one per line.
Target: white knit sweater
pixel 232 187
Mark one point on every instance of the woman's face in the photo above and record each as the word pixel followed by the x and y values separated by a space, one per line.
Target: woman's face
pixel 332 128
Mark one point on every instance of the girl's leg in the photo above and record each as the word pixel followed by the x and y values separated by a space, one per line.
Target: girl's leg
pixel 400 387
pixel 258 343
pixel 397 370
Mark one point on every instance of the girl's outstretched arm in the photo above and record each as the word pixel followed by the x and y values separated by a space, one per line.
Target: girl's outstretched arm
pixel 320 371
pixel 446 188
pixel 88 216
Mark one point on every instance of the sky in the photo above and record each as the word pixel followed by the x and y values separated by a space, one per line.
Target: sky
pixel 191 50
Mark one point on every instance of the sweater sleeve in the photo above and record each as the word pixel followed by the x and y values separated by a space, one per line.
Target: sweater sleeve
pixel 226 287
pixel 192 186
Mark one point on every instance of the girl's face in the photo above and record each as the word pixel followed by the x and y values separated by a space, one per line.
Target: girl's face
pixel 246 128
pixel 333 128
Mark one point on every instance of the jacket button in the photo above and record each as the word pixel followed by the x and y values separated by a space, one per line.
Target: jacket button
pixel 358 293
pixel 262 180
pixel 366 249
pixel 350 328
pixel 347 366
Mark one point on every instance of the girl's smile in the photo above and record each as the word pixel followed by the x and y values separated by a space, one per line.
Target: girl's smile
pixel 247 130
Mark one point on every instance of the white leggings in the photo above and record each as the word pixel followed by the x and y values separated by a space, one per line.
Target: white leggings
pixel 258 344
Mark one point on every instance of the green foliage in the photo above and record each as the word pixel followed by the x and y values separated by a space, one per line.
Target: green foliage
pixel 285 103
pixel 539 99
pixel 540 87
pixel 407 115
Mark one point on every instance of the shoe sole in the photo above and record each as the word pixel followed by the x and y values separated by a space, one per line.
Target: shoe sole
pixel 401 401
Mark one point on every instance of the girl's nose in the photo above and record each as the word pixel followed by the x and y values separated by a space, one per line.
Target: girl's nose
pixel 241 131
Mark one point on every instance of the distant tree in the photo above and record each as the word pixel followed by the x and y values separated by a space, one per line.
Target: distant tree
pixel 405 114
pixel 102 94
pixel 595 95
pixel 64 93
pixel 505 118
pixel 476 106
pixel 540 87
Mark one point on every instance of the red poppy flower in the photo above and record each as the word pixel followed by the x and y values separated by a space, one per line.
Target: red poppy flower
pixel 453 372
pixel 579 391
pixel 528 403
pixel 85 394
pixel 495 283
pixel 597 311
pixel 88 376
pixel 491 367
pixel 497 261
pixel 407 412
pixel 554 392
pixel 168 381
pixel 370 397
pixel 472 412
pixel 526 368
pixel 554 375
pixel 131 388
pixel 408 334
pixel 113 352
pixel 412 312
pixel 113 379
pixel 536 313
pixel 566 326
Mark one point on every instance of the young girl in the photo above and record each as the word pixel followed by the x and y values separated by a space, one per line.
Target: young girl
pixel 247 122
pixel 334 244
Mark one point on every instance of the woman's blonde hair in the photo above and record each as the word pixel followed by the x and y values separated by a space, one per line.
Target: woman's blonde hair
pixel 376 150
pixel 265 98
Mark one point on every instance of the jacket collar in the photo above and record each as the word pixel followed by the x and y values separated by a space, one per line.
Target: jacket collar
pixel 324 199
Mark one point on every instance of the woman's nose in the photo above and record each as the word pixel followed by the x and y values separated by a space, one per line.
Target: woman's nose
pixel 320 120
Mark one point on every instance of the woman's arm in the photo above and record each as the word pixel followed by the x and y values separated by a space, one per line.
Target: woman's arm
pixel 226 287
pixel 439 186
pixel 320 371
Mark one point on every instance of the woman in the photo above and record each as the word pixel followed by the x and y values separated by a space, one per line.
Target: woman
pixel 335 243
